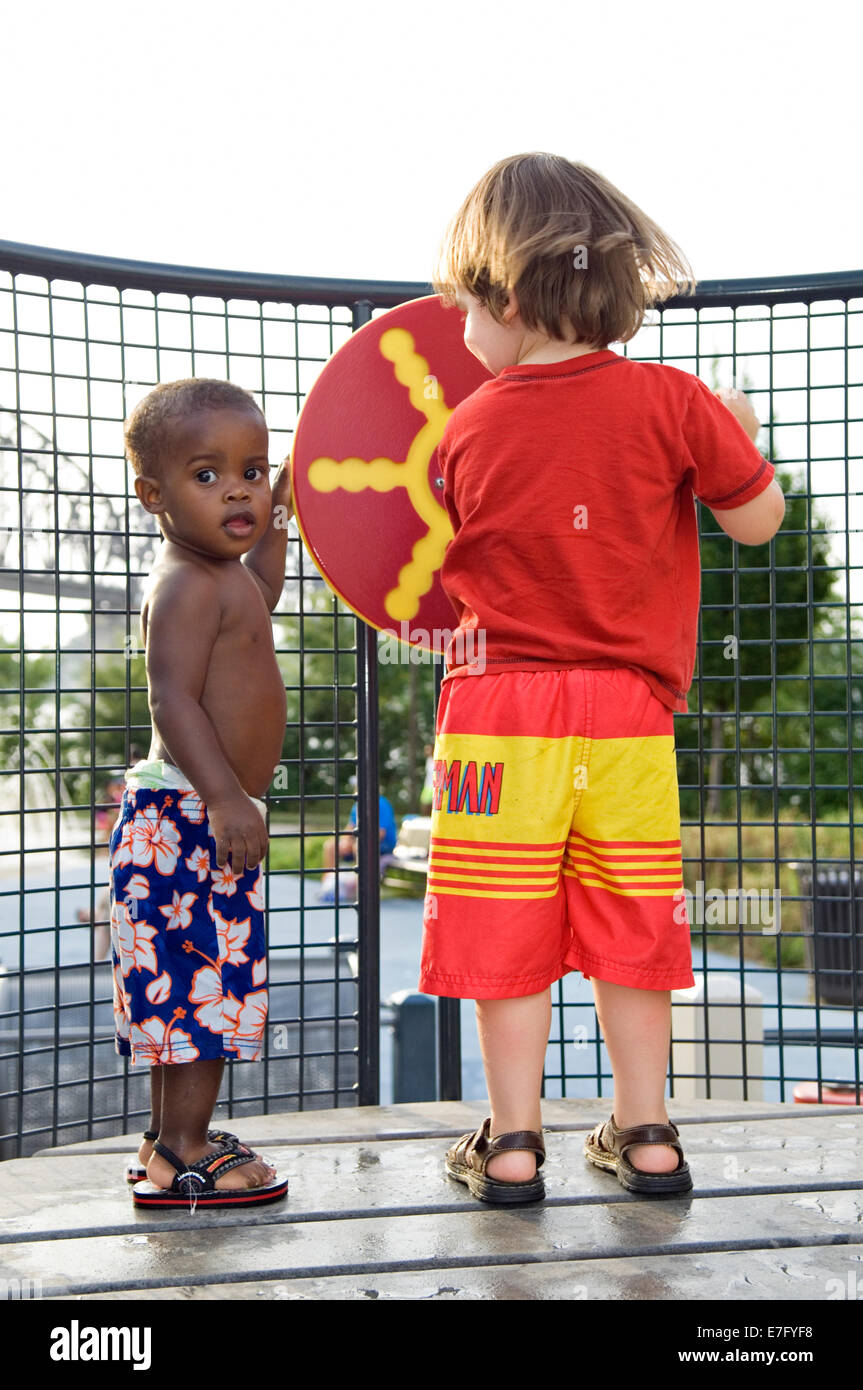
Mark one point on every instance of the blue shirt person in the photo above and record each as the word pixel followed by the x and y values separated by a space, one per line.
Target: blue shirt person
pixel 347 845
pixel 387 821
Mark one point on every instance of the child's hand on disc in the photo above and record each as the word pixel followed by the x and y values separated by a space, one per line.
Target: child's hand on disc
pixel 282 496
pixel 741 407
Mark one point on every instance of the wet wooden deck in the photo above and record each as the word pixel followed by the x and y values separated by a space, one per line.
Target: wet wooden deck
pixel 776 1213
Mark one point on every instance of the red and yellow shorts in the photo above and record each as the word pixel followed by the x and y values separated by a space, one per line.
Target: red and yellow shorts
pixel 555 840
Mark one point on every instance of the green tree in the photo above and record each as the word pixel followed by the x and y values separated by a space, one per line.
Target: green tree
pixel 22 690
pixel 757 623
pixel 320 740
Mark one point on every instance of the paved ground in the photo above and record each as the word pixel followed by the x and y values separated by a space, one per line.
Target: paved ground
pixel 776 1214
pixel 293 902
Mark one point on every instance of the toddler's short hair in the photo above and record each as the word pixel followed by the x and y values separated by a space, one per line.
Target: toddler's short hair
pixel 573 247
pixel 147 428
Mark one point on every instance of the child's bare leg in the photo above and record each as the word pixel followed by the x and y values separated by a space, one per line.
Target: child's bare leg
pixel 101 927
pixel 146 1148
pixel 636 1026
pixel 513 1035
pixel 346 848
pixel 188 1099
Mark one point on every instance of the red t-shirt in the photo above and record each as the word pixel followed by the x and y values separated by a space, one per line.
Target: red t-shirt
pixel 570 489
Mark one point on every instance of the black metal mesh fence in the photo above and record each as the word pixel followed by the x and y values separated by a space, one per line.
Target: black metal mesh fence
pixel 769 758
pixel 75 356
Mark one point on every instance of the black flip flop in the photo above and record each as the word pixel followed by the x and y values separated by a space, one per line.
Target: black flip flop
pixel 195 1183
pixel 136 1172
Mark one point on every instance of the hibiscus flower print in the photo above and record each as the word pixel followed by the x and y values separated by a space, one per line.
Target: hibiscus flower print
pixel 121 1005
pixel 157 1043
pixel 179 914
pixel 215 1011
pixel 225 881
pixel 246 1036
pixel 155 840
pixel 166 1009
pixel 134 942
pixel 256 894
pixel 123 853
pixel 159 990
pixel 198 862
pixel 192 807
pixel 232 935
pixel 137 886
pixel 116 919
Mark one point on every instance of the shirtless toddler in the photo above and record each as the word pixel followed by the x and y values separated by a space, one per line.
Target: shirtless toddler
pixel 187 921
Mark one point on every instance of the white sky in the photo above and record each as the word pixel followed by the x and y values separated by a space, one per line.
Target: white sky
pixel 337 139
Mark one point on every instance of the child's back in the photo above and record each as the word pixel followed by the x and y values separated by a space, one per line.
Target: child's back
pixel 570 487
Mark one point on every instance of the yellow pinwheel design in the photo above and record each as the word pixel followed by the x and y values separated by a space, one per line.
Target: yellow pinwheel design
pixel 415 578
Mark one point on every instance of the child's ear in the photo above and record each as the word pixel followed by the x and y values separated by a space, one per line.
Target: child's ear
pixel 148 490
pixel 511 308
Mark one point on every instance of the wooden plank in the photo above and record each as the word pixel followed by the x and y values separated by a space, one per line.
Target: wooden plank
pixel 808 1273
pixel 81 1194
pixel 466 1238
pixel 452 1118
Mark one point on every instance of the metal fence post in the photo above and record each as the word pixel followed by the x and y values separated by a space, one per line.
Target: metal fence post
pixel 368 841
pixel 448 1010
pixel 368 861
pixel 413 1046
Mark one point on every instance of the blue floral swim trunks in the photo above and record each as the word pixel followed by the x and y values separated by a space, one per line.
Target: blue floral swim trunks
pixel 188 939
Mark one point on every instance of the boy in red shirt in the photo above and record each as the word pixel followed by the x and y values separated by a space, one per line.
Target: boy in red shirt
pixel 569 480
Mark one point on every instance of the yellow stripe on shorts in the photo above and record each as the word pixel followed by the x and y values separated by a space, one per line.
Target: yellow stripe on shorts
pixel 504 806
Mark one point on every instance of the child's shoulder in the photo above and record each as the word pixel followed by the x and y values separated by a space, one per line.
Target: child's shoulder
pixel 179 580
pixel 665 388
pixel 172 561
pixel 473 407
pixel 663 375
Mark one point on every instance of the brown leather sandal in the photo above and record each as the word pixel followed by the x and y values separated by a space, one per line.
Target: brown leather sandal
pixel 606 1148
pixel 467 1158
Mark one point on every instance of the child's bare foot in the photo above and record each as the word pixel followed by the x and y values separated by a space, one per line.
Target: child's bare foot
pixel 518 1166
pixel 653 1158
pixel 145 1153
pixel 255 1173
pixel 650 1158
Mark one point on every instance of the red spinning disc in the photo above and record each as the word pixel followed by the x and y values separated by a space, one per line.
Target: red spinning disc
pixel 364 469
